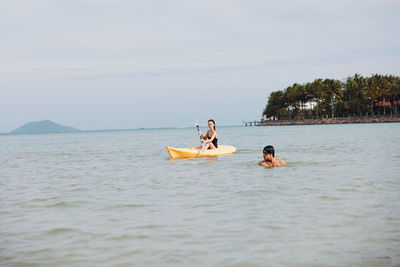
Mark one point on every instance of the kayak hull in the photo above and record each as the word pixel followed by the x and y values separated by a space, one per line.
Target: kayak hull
pixel 196 153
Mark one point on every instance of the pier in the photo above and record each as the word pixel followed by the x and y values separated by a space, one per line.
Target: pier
pixel 251 123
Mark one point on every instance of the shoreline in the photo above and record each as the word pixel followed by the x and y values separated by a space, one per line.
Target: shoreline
pixel 346 120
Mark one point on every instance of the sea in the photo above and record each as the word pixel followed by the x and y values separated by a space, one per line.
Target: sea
pixel 114 198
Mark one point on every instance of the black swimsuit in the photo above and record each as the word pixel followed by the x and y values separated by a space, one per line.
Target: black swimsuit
pixel 215 142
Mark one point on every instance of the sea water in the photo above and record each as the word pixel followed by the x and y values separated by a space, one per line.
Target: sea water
pixel 113 198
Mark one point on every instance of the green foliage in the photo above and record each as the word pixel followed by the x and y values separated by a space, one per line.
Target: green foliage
pixel 355 96
pixel 276 105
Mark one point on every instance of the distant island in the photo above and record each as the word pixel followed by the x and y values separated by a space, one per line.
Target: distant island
pixel 45 126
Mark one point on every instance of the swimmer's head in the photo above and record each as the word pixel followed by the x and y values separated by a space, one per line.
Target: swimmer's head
pixel 269 150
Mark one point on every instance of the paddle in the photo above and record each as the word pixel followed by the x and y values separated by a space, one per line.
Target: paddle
pixel 198 131
pixel 203 144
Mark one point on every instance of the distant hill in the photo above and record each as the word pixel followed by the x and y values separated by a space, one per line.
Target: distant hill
pixel 43 127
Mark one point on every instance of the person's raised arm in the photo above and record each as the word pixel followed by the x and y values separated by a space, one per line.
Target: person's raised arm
pixel 204 137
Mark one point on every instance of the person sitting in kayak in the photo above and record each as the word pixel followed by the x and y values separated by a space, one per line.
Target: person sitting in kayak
pixel 269 158
pixel 211 138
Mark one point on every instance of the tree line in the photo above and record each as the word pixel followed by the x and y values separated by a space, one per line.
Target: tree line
pixel 356 96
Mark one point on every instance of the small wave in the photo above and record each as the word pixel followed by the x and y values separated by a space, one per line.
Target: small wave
pixel 253 192
pixel 330 198
pixel 247 151
pixel 57 231
pixel 127 237
pixel 79 189
pixel 125 206
pixel 272 227
pixel 149 226
pixel 63 204
pixel 40 251
pixel 42 199
pixel 348 190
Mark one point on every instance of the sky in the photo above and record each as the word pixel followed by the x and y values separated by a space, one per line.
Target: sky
pixel 122 64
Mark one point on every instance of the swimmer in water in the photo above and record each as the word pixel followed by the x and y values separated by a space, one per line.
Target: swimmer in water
pixel 269 158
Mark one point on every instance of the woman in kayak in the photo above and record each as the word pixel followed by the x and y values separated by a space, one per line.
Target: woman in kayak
pixel 269 158
pixel 211 138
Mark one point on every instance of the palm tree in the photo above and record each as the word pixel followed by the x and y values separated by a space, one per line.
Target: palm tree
pixel 332 91
pixel 371 92
pixel 276 103
pixel 302 96
pixel 382 87
pixel 395 91
pixel 291 102
pixel 316 93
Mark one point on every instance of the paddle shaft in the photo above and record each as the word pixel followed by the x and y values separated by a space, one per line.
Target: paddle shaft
pixel 198 131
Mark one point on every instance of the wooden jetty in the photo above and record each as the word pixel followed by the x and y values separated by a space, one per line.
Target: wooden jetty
pixel 251 123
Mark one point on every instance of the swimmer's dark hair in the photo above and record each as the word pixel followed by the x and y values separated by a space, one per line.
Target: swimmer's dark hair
pixel 269 150
pixel 213 122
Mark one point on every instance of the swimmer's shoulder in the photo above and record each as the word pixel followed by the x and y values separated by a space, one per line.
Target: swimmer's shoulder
pixel 280 162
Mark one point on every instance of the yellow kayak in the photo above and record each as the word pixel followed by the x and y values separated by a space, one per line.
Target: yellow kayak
pixel 194 153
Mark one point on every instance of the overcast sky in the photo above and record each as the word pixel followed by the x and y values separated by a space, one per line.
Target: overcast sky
pixel 96 64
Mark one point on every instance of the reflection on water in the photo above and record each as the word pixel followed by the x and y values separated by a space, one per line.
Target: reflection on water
pixel 211 159
pixel 115 198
